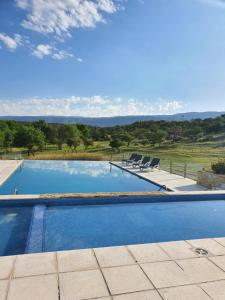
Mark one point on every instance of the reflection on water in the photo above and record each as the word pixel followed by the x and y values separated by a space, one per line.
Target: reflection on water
pixel 48 176
pixel 5 219
pixel 89 168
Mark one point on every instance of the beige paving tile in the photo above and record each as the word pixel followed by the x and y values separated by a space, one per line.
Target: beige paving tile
pixel 126 279
pixel 220 240
pixel 6 266
pixel 76 260
pixel 165 274
pixel 113 256
pixel 210 245
pixel 216 289
pixel 42 287
pixel 219 261
pixel 148 253
pixel 147 295
pixel 102 298
pixel 3 289
pixel 82 285
pixel 35 264
pixel 190 292
pixel 201 270
pixel 178 250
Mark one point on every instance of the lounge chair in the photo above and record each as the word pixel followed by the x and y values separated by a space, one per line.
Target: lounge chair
pixel 132 157
pixel 151 165
pixel 137 158
pixel 144 161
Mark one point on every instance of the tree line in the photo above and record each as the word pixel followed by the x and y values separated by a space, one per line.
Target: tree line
pixel 36 135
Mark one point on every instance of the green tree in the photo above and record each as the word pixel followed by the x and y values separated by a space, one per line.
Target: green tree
pixel 8 140
pixel 2 137
pixel 194 133
pixel 73 139
pixel 30 137
pixel 157 137
pixel 87 143
pixel 126 137
pixel 116 143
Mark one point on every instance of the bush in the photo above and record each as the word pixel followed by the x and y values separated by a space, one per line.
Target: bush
pixel 219 167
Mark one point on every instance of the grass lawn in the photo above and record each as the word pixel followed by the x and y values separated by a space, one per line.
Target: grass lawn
pixel 195 155
pixel 203 153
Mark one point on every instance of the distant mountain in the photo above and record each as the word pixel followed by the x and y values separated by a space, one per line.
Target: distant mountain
pixel 112 121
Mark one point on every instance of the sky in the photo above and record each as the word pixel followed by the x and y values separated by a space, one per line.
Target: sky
pixel 111 57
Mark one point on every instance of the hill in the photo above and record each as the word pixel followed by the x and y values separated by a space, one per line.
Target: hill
pixel 117 120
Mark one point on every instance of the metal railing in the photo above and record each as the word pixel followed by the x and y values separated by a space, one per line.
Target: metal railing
pixel 12 156
pixel 184 169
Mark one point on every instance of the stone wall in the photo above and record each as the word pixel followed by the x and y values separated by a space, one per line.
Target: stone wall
pixel 211 180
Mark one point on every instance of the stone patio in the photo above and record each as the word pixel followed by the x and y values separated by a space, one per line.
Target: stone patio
pixel 7 168
pixel 173 182
pixel 168 271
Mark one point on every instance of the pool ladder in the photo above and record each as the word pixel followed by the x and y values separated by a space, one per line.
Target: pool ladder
pixel 162 187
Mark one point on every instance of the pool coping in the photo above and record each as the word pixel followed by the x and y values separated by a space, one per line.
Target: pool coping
pixel 7 175
pixel 105 194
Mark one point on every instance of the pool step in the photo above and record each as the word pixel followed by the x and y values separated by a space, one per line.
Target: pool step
pixel 35 240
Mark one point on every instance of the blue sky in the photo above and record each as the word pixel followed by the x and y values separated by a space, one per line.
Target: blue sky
pixel 111 57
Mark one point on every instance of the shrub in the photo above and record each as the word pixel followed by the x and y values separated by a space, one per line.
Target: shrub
pixel 219 167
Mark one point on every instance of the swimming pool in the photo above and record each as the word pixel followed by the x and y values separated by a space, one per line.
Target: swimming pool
pixel 78 223
pixel 46 177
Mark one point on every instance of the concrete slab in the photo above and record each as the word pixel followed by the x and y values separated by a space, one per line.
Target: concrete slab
pixel 76 260
pixel 3 289
pixel 210 245
pixel 178 250
pixel 126 279
pixel 148 295
pixel 113 256
pixel 148 253
pixel 216 289
pixel 165 274
pixel 43 287
pixel 190 292
pixel 82 285
pixel 7 168
pixel 35 264
pixel 220 241
pixel 200 270
pixel 219 261
pixel 6 266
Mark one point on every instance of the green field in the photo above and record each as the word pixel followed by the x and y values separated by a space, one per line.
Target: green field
pixel 194 155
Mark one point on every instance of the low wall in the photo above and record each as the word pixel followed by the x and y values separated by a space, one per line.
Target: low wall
pixel 211 180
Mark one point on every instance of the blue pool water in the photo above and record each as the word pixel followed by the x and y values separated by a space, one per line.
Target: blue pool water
pixel 14 227
pixel 41 177
pixel 50 225
pixel 121 224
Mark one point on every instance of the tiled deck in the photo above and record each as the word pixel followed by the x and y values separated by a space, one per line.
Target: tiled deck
pixel 7 167
pixel 173 182
pixel 166 271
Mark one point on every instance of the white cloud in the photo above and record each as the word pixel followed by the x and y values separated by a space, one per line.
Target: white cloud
pixel 43 50
pixel 95 106
pixel 11 42
pixel 60 16
pixel 61 54
pixel 168 106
